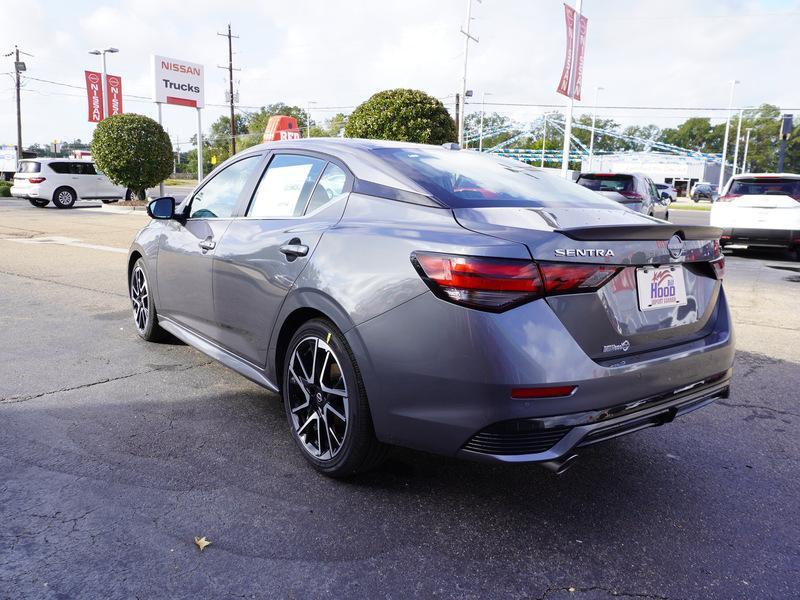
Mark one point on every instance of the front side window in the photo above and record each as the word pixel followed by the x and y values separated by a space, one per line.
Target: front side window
pixel 286 186
pixel 218 197
pixel 463 178
pixel 330 186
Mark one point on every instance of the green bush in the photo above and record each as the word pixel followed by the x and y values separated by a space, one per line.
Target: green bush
pixel 5 189
pixel 403 115
pixel 133 150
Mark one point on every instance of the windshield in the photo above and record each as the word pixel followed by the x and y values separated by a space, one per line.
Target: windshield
pixel 607 183
pixel 29 166
pixel 778 186
pixel 466 179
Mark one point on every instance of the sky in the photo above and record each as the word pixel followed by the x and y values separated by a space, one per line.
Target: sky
pixel 665 54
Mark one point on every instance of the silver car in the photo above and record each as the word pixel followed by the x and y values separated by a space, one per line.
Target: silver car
pixel 439 299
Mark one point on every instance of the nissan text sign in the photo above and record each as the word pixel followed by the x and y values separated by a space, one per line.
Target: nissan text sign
pixel 178 82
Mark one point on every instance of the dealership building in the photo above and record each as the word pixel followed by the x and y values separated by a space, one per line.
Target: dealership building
pixel 662 167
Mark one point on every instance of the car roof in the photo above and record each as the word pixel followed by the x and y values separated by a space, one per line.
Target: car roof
pixel 766 176
pixel 56 159
pixel 614 173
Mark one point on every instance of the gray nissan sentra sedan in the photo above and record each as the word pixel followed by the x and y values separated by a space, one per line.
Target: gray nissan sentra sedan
pixel 439 299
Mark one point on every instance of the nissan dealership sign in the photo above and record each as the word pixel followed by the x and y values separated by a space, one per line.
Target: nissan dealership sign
pixel 178 82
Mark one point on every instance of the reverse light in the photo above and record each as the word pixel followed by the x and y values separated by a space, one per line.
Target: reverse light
pixel 543 392
pixel 36 179
pixel 497 284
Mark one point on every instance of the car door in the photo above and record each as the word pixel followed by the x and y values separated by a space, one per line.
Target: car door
pixel 105 187
pixel 188 245
pixel 261 255
pixel 82 179
pixel 659 208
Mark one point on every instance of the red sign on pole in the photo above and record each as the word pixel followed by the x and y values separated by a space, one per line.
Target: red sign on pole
pixel 114 87
pixel 576 88
pixel 94 95
pixel 566 73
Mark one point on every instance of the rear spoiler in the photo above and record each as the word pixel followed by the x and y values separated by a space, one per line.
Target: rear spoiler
pixel 611 233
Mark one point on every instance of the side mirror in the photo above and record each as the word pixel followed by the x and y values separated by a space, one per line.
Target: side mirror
pixel 162 208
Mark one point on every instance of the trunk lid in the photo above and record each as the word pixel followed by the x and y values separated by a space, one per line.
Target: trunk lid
pixel 609 323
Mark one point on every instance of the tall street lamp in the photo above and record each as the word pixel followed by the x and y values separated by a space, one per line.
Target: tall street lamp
pixel 725 143
pixel 102 52
pixel 597 91
pixel 746 148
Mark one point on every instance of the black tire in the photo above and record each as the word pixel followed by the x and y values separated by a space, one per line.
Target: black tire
pixel 64 197
pixel 39 202
pixel 145 317
pixel 130 195
pixel 359 450
pixel 696 200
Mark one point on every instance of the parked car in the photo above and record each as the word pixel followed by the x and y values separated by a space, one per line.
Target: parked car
pixel 667 192
pixel 444 300
pixel 632 190
pixel 704 191
pixel 63 181
pixel 760 209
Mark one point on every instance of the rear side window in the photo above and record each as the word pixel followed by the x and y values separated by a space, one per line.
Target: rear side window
pixel 82 168
pixel 29 166
pixel 777 186
pixel 607 183
pixel 464 178
pixel 329 187
pixel 286 186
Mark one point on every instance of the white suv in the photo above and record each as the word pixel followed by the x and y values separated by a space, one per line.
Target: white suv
pixel 760 209
pixel 63 181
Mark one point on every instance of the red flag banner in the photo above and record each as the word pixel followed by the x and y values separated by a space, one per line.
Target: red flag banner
pixel 94 96
pixel 566 73
pixel 114 87
pixel 576 88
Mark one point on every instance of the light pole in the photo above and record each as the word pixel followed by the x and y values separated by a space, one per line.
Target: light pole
pixel 102 52
pixel 544 141
pixel 480 127
pixel 738 137
pixel 746 148
pixel 597 91
pixel 725 143
pixel 571 91
pixel 467 38
pixel 308 117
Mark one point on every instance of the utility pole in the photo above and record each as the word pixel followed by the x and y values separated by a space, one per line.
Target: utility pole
pixel 725 143
pixel 746 148
pixel 458 116
pixel 231 96
pixel 19 67
pixel 467 38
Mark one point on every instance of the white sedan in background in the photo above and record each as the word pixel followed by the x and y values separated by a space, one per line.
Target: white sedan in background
pixel 760 209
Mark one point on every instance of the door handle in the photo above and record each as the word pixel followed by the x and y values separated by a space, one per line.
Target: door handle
pixel 207 244
pixel 294 249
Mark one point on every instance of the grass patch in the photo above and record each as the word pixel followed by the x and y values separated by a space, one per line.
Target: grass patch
pixel 181 182
pixel 702 206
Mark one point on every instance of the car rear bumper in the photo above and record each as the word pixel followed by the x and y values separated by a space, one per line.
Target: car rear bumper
pixel 24 192
pixel 438 375
pixel 782 238
pixel 556 437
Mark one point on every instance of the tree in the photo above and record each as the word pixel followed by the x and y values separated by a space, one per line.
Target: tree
pixel 404 115
pixel 602 142
pixel 133 150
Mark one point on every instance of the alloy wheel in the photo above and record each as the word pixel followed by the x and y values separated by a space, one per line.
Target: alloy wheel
pixel 318 398
pixel 140 298
pixel 64 197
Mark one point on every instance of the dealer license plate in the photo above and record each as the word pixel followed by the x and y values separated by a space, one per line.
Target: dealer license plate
pixel 660 287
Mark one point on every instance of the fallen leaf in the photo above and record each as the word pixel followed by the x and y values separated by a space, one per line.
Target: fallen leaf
pixel 201 542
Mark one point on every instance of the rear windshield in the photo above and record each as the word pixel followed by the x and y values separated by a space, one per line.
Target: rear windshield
pixel 778 186
pixel 465 178
pixel 28 166
pixel 607 183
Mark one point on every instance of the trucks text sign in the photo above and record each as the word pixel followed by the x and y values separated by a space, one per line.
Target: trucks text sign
pixel 178 82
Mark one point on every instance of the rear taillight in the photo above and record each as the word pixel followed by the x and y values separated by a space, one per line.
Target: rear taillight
pixel 632 195
pixel 728 197
pixel 36 179
pixel 497 284
pixel 719 267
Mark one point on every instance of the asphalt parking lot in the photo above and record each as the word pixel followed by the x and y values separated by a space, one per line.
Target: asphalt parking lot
pixel 115 454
